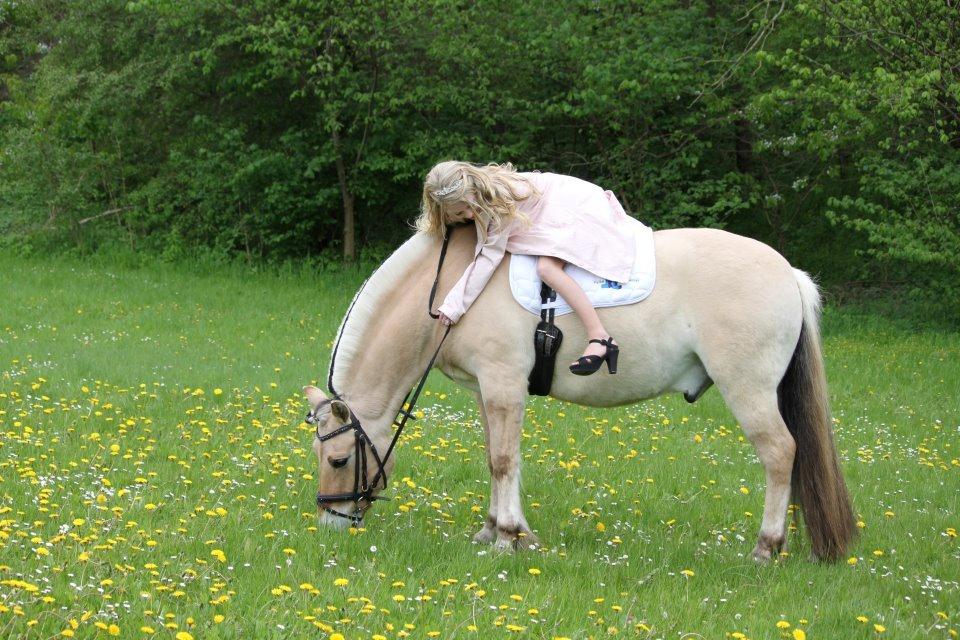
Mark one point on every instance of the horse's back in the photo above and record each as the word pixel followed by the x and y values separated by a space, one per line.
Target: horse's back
pixel 710 270
pixel 715 256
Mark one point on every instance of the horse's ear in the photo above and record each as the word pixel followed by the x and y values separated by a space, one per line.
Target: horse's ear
pixel 314 395
pixel 340 410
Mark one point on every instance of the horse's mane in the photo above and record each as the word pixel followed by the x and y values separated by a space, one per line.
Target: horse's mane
pixel 365 304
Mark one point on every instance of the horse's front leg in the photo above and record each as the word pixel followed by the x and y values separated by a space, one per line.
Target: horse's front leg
pixel 503 408
pixel 489 531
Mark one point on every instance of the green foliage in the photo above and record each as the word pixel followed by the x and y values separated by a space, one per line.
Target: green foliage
pixel 872 114
pixel 268 129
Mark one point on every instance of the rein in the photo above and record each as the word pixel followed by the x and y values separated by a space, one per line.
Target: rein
pixel 362 487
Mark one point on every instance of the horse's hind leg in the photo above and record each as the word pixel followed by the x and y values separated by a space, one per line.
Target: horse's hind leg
pixel 489 531
pixel 759 416
pixel 503 407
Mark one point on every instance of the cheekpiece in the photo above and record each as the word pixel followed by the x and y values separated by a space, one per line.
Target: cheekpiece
pixel 453 186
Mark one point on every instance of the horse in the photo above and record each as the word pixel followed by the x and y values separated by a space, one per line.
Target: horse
pixel 726 310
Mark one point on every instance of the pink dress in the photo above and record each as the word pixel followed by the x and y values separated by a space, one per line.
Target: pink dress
pixel 573 220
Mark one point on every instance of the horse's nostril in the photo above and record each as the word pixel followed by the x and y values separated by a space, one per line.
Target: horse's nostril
pixel 336 463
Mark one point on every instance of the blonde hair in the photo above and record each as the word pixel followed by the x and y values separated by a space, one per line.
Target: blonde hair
pixel 492 191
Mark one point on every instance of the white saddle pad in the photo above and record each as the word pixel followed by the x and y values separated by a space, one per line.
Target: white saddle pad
pixel 525 283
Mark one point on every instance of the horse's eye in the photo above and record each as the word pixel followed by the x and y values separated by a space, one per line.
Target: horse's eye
pixel 336 463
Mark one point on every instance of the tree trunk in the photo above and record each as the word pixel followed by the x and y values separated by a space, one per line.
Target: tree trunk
pixel 349 246
pixel 743 145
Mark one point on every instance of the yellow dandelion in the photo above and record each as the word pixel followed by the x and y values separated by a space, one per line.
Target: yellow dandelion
pixel 879 628
pixel 799 634
pixel 783 624
pixel 341 582
pixel 533 571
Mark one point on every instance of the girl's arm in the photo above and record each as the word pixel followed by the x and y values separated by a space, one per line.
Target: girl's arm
pixel 476 277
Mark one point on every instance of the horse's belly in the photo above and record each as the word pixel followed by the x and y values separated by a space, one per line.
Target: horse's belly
pixel 635 381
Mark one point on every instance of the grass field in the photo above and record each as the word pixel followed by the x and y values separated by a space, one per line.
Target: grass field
pixel 156 480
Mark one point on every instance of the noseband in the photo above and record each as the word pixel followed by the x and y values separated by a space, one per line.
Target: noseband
pixel 363 486
pixel 362 489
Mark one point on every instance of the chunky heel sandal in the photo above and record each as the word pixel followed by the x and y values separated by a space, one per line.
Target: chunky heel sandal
pixel 587 365
pixel 613 352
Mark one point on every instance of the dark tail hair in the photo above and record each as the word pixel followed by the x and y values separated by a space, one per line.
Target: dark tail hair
pixel 817 481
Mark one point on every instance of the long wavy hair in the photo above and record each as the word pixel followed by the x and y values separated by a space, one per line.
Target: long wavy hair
pixel 492 191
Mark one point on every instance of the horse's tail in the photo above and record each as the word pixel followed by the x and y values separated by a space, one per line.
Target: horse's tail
pixel 818 483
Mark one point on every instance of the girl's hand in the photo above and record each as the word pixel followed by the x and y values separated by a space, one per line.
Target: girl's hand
pixel 444 320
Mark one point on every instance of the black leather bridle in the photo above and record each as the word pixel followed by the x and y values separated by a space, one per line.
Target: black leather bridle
pixel 363 486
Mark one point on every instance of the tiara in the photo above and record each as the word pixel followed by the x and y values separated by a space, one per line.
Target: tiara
pixel 453 186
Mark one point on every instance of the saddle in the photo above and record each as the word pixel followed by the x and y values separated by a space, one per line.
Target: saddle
pixel 525 282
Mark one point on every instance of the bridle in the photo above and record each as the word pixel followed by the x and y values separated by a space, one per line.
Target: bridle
pixel 363 486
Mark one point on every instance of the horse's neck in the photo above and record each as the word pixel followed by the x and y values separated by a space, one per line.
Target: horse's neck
pixel 394 344
pixel 391 351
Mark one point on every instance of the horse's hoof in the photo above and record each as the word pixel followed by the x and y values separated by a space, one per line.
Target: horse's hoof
pixel 516 539
pixel 485 535
pixel 761 554
pixel 768 547
pixel 489 532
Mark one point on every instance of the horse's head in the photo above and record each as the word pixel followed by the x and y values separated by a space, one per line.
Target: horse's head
pixel 349 470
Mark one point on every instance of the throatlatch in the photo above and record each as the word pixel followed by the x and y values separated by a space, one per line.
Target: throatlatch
pixel 546 344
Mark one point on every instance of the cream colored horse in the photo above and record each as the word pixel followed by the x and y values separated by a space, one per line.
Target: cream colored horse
pixel 726 310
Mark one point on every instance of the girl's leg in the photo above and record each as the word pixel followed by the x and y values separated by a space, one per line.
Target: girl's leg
pixel 551 271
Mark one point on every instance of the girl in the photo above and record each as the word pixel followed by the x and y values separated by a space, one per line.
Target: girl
pixel 559 218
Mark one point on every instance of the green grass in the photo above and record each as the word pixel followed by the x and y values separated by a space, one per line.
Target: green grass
pixel 150 417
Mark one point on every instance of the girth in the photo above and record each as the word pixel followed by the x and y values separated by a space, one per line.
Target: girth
pixel 546 343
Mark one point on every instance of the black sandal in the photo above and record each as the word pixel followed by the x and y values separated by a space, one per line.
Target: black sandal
pixel 587 365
